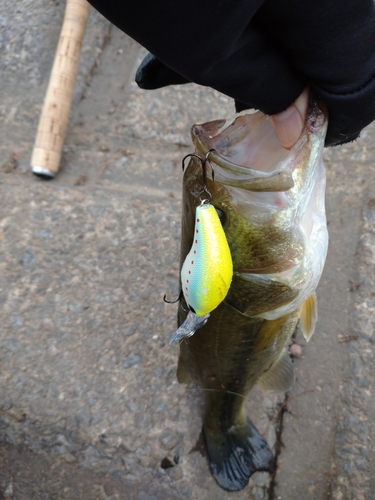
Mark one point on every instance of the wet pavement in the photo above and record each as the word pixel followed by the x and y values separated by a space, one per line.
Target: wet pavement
pixel 90 405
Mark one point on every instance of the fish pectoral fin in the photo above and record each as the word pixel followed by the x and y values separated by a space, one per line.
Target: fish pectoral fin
pixel 235 454
pixel 280 376
pixel 309 316
pixel 254 294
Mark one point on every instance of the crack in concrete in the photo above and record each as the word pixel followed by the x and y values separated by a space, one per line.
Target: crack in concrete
pixel 278 445
pixel 96 65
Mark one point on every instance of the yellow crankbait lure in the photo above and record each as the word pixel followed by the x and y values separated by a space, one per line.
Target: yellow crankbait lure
pixel 207 272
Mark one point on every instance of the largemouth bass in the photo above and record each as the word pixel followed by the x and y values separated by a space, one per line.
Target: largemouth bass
pixel 271 205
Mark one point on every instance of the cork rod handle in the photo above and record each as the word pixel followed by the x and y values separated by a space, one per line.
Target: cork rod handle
pixel 54 117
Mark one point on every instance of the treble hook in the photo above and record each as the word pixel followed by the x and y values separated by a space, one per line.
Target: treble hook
pixel 190 155
pixel 203 161
pixel 209 162
pixel 175 301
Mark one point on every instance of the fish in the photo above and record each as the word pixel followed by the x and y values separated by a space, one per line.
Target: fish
pixel 270 203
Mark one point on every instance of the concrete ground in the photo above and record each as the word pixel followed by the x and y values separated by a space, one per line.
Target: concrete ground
pixel 90 407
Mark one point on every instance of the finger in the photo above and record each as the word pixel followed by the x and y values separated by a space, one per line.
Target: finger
pixel 288 125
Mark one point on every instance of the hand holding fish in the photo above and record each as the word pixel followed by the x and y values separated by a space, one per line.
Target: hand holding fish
pixel 289 124
pixel 262 53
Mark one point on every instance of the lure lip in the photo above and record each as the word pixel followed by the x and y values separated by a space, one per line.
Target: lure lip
pixel 191 324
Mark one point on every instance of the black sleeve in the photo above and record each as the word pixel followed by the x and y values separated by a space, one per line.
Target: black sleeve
pixel 332 42
pixel 261 52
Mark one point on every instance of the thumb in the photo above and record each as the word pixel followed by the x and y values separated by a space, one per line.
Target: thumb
pixel 288 125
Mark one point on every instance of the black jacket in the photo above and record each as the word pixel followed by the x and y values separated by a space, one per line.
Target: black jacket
pixel 261 53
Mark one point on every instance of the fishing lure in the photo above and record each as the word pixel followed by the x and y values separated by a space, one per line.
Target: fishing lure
pixel 206 274
pixel 207 271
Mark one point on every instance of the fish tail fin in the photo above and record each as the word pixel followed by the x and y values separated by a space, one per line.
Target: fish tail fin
pixel 236 453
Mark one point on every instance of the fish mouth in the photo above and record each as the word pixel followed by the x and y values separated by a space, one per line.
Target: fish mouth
pixel 278 236
pixel 249 151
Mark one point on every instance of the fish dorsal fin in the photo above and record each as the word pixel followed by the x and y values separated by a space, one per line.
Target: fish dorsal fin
pixel 280 377
pixel 309 316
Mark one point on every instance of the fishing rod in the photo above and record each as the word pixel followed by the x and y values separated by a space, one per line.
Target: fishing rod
pixel 49 141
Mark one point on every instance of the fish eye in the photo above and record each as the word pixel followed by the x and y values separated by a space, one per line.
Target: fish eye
pixel 221 215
